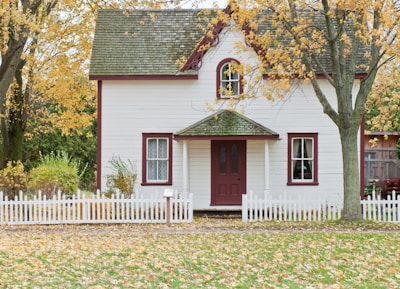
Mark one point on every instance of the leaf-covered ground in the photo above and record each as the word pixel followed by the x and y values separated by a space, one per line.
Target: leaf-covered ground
pixel 209 253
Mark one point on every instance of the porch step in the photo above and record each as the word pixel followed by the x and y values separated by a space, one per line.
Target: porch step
pixel 218 214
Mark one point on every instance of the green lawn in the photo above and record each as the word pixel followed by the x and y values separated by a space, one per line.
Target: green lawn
pixel 205 254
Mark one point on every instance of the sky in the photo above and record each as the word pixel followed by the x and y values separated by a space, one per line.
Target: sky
pixel 206 3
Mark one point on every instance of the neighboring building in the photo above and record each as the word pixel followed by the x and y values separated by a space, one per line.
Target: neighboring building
pixel 381 155
pixel 158 116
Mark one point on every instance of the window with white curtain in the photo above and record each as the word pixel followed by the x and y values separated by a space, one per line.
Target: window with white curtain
pixel 302 159
pixel 157 158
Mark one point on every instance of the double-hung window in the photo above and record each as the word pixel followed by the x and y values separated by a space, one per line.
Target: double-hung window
pixel 228 79
pixel 157 159
pixel 302 159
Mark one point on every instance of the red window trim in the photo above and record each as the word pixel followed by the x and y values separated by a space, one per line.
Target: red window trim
pixel 219 66
pixel 291 182
pixel 145 136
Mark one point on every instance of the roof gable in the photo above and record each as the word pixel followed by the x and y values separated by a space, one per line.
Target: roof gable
pixel 148 43
pixel 143 42
pixel 226 123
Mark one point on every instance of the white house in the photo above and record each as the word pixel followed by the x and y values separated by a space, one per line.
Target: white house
pixel 159 116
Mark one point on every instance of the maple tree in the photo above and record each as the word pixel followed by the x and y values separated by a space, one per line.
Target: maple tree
pixel 337 40
pixel 45 49
pixel 383 103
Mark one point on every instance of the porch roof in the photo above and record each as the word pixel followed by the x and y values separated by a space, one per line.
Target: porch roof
pixel 226 124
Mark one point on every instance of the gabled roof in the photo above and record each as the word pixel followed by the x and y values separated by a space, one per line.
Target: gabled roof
pixel 318 24
pixel 143 42
pixel 226 124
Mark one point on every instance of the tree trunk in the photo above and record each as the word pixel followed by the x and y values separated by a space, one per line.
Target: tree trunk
pixel 11 61
pixel 13 123
pixel 16 140
pixel 4 142
pixel 16 117
pixel 351 181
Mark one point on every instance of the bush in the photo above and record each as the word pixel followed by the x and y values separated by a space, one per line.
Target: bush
pixel 78 147
pixel 123 177
pixel 13 179
pixel 55 172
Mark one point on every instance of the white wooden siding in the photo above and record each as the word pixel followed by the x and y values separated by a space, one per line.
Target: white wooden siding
pixel 133 107
pixel 200 174
pixel 255 167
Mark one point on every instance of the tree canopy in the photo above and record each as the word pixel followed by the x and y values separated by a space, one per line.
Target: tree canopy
pixel 383 104
pixel 45 50
pixel 343 42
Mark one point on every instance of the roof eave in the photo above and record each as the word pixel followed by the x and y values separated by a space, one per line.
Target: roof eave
pixel 226 137
pixel 144 77
pixel 358 75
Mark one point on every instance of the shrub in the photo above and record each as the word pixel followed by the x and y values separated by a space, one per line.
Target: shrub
pixel 80 147
pixel 123 177
pixel 55 172
pixel 13 179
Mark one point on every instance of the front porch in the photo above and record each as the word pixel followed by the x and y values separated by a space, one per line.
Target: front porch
pixel 224 148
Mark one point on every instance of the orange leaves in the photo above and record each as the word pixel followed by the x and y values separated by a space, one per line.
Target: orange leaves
pixel 205 254
pixel 56 61
pixel 383 104
pixel 63 81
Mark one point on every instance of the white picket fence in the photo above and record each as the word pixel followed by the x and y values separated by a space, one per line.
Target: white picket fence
pixel 284 208
pixel 97 208
pixel 376 209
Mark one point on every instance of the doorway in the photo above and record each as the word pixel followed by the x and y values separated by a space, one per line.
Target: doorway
pixel 228 172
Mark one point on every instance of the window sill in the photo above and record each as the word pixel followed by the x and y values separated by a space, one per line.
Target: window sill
pixel 228 97
pixel 156 184
pixel 302 183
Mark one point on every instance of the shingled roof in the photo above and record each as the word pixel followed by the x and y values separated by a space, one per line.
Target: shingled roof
pixel 149 42
pixel 318 24
pixel 143 42
pixel 226 123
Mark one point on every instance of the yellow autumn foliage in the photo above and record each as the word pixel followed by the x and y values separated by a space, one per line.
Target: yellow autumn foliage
pixel 57 38
pixel 383 104
pixel 339 41
pixel 13 178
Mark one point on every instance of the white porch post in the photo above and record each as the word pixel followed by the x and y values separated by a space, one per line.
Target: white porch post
pixel 266 168
pixel 185 167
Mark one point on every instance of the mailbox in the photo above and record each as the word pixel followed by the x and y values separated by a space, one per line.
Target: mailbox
pixel 168 193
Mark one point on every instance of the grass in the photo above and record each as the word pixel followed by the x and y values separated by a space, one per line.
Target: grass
pixel 206 254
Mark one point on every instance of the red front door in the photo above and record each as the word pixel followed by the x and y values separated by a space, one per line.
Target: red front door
pixel 228 172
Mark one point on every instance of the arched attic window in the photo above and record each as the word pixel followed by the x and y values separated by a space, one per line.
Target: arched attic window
pixel 229 80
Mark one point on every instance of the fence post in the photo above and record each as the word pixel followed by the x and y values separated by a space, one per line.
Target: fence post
pixel 244 208
pixel 1 207
pixel 85 208
pixel 397 206
pixel 190 217
pixel 168 194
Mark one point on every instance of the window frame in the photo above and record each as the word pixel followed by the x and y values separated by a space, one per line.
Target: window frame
pixel 145 138
pixel 302 182
pixel 219 80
